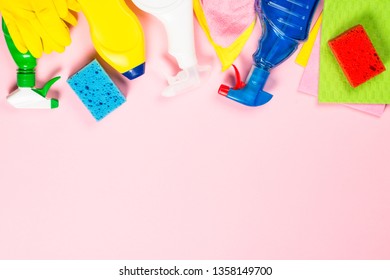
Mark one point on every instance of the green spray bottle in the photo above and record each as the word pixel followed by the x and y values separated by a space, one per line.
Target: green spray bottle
pixel 27 96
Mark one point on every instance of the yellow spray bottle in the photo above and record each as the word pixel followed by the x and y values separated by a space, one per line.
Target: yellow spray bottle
pixel 117 35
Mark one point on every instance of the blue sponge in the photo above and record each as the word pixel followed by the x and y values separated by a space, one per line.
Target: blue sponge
pixel 96 90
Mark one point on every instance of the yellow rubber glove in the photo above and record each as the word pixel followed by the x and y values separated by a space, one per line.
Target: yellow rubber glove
pixel 39 25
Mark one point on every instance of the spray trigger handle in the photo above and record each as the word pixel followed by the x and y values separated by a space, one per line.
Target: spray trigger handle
pixel 239 83
pixel 45 89
pixel 224 89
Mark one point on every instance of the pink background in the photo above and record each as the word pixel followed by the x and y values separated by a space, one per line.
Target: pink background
pixel 194 177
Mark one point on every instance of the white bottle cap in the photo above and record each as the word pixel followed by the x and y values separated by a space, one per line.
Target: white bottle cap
pixel 186 80
pixel 27 98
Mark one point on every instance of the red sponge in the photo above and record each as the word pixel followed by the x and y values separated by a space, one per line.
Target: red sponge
pixel 356 55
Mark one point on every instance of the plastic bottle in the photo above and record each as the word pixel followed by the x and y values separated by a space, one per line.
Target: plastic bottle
pixel 27 96
pixel 177 18
pixel 117 35
pixel 285 24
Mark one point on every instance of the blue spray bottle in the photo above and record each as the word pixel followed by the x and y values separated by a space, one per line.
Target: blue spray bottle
pixel 285 24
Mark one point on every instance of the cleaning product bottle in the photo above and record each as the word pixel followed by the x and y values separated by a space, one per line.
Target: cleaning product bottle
pixel 117 35
pixel 27 96
pixel 285 24
pixel 177 18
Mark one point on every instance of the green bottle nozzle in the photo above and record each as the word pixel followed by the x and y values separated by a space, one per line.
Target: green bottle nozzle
pixel 45 90
pixel 26 63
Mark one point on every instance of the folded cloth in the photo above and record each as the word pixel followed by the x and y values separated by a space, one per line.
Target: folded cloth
pixel 228 25
pixel 310 78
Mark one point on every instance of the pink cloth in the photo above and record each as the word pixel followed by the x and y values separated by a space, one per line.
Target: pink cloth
pixel 310 79
pixel 228 19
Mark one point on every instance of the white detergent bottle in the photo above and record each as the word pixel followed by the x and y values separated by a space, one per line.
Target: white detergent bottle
pixel 177 18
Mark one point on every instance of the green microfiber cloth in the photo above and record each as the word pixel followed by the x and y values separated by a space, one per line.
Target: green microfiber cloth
pixel 339 16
